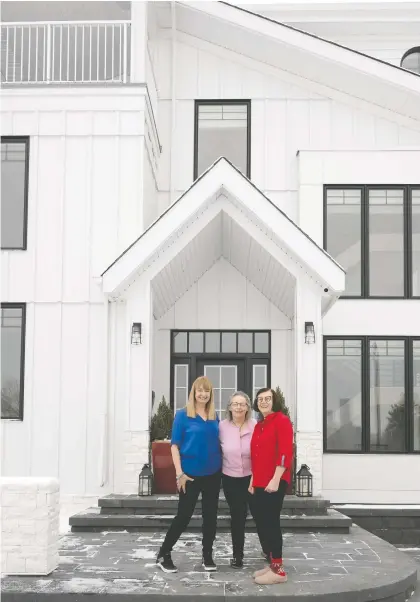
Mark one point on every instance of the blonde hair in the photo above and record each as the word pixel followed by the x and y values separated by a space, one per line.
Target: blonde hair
pixel 248 403
pixel 203 383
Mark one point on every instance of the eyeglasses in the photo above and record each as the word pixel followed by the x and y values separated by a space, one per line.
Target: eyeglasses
pixel 238 405
pixel 269 398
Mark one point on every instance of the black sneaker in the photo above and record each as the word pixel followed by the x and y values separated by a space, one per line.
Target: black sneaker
pixel 166 564
pixel 208 563
pixel 237 562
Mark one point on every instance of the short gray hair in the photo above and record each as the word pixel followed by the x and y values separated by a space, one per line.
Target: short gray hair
pixel 248 403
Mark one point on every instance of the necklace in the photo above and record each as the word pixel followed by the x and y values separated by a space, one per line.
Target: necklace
pixel 239 426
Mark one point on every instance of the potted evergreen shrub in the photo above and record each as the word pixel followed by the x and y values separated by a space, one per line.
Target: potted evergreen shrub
pixel 285 410
pixel 164 478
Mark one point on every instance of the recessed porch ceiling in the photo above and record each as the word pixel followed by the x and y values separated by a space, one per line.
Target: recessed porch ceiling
pixel 223 237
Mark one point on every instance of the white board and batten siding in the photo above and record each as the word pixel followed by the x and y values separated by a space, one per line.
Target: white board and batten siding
pixel 288 114
pixel 85 205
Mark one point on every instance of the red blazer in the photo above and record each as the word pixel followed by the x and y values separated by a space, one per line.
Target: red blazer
pixel 271 446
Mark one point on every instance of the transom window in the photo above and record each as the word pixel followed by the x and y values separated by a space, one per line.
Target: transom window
pixel 371 395
pixel 12 359
pixel 222 129
pixel 216 341
pixel 374 233
pixel 14 191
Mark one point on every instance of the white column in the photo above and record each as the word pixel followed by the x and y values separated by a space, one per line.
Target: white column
pixel 309 382
pixel 136 437
pixel 138 41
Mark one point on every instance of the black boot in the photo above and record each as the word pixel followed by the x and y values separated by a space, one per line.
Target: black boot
pixel 237 562
pixel 164 561
pixel 208 562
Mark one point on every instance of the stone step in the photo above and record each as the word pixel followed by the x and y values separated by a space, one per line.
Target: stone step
pixel 93 520
pixel 160 504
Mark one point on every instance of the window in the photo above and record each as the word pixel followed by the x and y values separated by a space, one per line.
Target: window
pixel 12 359
pixel 411 60
pixel 181 385
pixel 14 191
pixel 216 341
pixel 374 233
pixel 222 129
pixel 371 395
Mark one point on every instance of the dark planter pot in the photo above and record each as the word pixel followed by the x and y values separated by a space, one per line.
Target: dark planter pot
pixel 164 478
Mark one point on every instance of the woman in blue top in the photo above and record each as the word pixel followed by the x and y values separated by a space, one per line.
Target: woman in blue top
pixel 198 461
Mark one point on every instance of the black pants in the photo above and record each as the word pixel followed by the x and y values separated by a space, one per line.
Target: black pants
pixel 266 511
pixel 209 487
pixel 238 499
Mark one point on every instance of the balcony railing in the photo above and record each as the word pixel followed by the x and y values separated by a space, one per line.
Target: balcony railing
pixel 68 52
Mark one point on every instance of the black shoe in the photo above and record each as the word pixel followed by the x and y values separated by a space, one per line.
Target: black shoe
pixel 208 563
pixel 164 561
pixel 237 562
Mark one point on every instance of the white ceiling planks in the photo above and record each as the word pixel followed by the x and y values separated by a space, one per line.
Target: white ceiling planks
pixel 223 237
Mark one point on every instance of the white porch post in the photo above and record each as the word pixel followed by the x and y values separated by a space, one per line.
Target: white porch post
pixel 309 382
pixel 139 385
pixel 138 41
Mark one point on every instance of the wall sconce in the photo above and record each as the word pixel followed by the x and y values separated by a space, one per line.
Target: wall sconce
pixel 136 333
pixel 309 333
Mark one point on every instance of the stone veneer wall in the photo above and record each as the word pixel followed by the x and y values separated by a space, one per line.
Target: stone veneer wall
pixel 30 525
pixel 136 454
pixel 309 449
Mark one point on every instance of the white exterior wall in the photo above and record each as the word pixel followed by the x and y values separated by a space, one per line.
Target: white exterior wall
pixel 89 175
pixel 224 299
pixel 288 114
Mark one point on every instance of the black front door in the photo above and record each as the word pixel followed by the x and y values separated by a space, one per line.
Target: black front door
pixel 226 376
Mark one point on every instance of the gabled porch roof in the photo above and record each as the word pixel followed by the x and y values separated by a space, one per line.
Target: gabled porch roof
pixel 222 196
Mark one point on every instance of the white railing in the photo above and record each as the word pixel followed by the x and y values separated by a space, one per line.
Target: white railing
pixel 70 52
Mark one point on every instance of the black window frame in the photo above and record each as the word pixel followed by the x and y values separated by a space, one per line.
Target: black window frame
pixel 216 102
pixel 364 235
pixel 21 306
pixel 190 358
pixel 365 393
pixel 26 141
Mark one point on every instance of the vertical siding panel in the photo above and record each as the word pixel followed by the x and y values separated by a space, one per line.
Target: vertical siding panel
pixel 96 401
pixel 74 366
pixel 209 67
pixel 297 128
pixel 232 297
pixel 209 299
pixel 186 71
pixel 5 277
pixel 76 228
pixel 186 309
pixel 232 77
pixel 363 129
pixel 341 125
pixel 46 390
pixel 164 165
pixel 320 124
pixel 49 219
pixel 104 202
pixel 258 144
pixel 407 137
pixel 386 133
pixel 184 137
pixel 275 147
pixel 257 308
pixel 131 198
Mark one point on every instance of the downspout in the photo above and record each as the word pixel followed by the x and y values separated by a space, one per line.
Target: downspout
pixel 173 103
pixel 103 452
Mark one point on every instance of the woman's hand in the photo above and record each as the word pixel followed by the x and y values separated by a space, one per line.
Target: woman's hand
pixel 251 488
pixel 273 485
pixel 182 482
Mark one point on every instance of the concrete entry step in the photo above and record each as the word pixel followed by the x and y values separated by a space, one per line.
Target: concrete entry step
pixel 93 520
pixel 120 567
pixel 167 504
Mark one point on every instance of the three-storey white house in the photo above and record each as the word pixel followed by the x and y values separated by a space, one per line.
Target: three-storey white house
pixel 200 188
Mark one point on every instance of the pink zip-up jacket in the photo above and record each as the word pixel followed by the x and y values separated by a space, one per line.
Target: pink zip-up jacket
pixel 236 448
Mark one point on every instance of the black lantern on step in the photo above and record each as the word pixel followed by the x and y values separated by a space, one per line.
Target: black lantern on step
pixel 145 481
pixel 304 486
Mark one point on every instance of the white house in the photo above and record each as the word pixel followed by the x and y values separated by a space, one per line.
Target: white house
pixel 198 187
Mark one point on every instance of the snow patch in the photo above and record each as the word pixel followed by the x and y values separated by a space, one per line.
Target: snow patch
pixel 143 554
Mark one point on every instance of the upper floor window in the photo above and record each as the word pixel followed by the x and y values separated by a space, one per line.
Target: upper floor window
pixel 222 129
pixel 411 60
pixel 374 233
pixel 371 394
pixel 12 359
pixel 14 191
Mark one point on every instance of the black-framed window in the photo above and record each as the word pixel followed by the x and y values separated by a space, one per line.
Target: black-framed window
pixel 374 233
pixel 222 128
pixel 14 191
pixel 13 322
pixel 371 394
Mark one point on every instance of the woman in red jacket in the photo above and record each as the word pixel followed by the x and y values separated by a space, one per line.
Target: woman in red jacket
pixel 271 459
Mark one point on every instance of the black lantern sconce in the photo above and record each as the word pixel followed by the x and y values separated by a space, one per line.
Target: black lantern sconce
pixel 304 482
pixel 145 481
pixel 309 333
pixel 136 333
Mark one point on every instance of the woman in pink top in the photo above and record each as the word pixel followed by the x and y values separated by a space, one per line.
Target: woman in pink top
pixel 235 434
